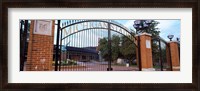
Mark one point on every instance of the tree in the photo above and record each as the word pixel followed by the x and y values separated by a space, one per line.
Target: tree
pixel 155 51
pixel 151 29
pixel 124 50
pixel 115 47
pixel 103 47
pixel 164 55
pixel 128 49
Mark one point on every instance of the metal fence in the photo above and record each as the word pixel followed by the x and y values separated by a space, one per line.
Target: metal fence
pixel 24 37
pixel 161 54
pixel 95 48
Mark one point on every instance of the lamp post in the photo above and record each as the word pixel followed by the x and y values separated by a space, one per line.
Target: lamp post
pixel 142 25
pixel 170 37
pixel 178 39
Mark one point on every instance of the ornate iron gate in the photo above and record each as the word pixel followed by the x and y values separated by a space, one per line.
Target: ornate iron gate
pixel 77 45
pixel 161 54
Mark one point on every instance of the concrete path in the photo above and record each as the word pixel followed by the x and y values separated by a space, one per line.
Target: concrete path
pixel 97 66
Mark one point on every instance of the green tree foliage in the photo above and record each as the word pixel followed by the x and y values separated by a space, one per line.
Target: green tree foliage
pixel 115 47
pixel 103 47
pixel 155 51
pixel 164 54
pixel 121 46
pixel 127 49
pixel 152 29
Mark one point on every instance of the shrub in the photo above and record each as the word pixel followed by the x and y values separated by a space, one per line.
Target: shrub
pixel 66 62
pixel 69 62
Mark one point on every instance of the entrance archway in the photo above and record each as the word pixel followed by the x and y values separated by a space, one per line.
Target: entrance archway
pixel 40 44
pixel 72 28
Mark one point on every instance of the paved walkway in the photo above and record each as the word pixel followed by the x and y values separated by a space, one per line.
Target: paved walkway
pixel 96 66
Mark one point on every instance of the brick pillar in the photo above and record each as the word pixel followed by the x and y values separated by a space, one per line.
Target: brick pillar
pixel 146 51
pixel 174 55
pixel 168 58
pixel 40 47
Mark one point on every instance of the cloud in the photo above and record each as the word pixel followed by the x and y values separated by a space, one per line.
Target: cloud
pixel 129 24
pixel 169 27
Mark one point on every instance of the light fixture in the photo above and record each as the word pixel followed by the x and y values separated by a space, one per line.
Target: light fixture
pixel 142 25
pixel 170 37
pixel 178 39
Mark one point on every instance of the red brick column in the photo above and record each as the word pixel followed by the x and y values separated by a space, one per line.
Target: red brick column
pixel 174 55
pixel 40 46
pixel 146 51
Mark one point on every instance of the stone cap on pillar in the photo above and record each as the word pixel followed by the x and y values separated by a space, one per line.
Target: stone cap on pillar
pixel 143 34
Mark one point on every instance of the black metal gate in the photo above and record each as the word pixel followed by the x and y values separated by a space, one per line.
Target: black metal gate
pixel 161 54
pixel 24 36
pixel 81 50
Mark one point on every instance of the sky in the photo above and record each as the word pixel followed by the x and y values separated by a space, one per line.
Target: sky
pixel 166 27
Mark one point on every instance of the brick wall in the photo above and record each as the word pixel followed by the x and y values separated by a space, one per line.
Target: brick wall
pixel 40 48
pixel 174 54
pixel 146 53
